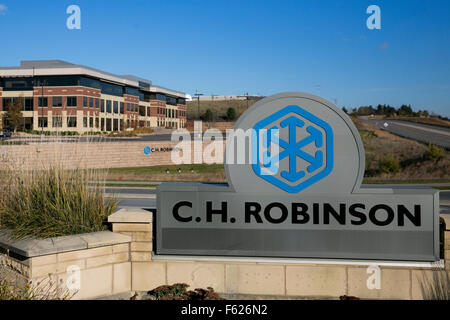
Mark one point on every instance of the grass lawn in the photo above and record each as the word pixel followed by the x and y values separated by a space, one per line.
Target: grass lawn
pixel 173 169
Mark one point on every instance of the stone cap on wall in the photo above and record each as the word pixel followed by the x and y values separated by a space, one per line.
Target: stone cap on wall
pixel 39 247
pixel 446 218
pixel 131 215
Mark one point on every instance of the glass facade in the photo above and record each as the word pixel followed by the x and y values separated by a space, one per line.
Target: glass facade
pixel 171 100
pixel 132 91
pixel 28 83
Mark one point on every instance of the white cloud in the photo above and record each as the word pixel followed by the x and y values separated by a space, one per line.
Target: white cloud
pixel 3 9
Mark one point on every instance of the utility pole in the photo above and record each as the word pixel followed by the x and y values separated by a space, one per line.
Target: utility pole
pixel 41 83
pixel 245 96
pixel 198 101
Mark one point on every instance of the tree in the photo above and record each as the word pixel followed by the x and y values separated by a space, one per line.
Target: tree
pixel 366 110
pixel 405 110
pixel 345 109
pixel 208 115
pixel 389 111
pixel 231 114
pixel 14 118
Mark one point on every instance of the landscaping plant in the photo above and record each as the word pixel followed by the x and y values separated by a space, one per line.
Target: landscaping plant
pixel 53 201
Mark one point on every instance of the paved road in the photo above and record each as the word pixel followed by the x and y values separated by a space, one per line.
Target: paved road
pixel 140 191
pixel 137 203
pixel 420 132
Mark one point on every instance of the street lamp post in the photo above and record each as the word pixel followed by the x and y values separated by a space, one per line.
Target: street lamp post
pixel 198 102
pixel 41 83
pixel 42 108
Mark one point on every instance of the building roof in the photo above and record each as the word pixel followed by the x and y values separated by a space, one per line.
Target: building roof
pixel 29 68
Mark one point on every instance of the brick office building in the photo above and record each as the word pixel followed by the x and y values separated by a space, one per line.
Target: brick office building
pixel 61 96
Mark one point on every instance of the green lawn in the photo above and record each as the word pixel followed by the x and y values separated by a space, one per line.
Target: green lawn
pixel 173 169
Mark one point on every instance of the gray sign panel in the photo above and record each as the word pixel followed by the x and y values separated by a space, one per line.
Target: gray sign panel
pixel 302 200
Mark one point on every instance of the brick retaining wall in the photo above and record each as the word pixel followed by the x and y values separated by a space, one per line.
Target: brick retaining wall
pixel 92 155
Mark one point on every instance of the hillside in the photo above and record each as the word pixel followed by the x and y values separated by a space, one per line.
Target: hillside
pixel 219 108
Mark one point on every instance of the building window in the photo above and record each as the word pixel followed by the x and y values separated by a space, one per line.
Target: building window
pixel 171 100
pixel 42 122
pixel 57 122
pixel 85 122
pixel 108 124
pixel 42 101
pixel 91 122
pixel 91 102
pixel 121 107
pixel 84 101
pixel 160 97
pixel 71 101
pixel 71 122
pixel 28 105
pixel 142 111
pixel 96 103
pixel 108 107
pixel 115 107
pixel 96 122
pixel 57 101
pixel 102 105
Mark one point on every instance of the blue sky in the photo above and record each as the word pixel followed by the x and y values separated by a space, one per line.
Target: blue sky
pixel 261 47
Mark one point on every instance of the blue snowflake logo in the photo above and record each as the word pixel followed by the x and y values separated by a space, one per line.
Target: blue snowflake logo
pixel 305 145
